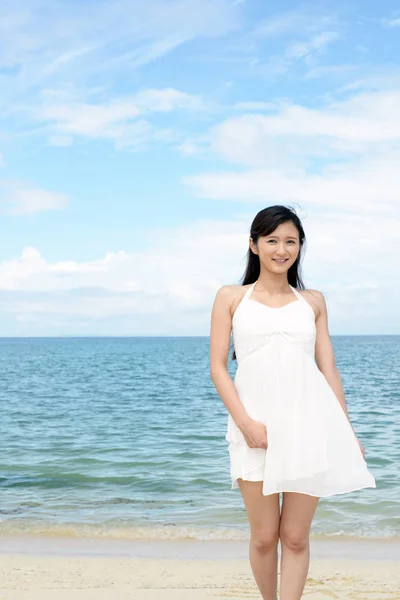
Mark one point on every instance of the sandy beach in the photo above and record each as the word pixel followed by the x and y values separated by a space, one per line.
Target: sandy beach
pixel 64 576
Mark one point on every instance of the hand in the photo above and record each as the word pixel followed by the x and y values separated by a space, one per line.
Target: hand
pixel 361 447
pixel 255 434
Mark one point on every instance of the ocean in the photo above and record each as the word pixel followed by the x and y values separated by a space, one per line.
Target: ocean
pixel 125 438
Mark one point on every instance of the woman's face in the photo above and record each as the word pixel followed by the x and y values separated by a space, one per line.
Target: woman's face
pixel 278 250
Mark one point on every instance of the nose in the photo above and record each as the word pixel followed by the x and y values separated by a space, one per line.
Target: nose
pixel 281 251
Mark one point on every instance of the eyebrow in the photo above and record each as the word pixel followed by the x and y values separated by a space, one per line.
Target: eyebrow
pixel 287 237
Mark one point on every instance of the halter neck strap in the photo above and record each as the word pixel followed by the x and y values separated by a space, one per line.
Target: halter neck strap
pixel 249 290
pixel 296 293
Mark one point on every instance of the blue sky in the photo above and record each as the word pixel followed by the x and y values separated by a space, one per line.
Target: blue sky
pixel 139 139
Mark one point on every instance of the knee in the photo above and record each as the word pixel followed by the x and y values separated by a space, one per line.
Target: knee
pixel 296 541
pixel 264 541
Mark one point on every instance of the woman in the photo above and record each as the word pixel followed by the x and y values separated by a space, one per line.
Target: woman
pixel 288 426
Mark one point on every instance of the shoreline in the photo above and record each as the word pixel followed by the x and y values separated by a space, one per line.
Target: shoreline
pixel 43 546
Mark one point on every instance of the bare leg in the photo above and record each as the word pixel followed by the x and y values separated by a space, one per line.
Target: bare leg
pixel 294 531
pixel 263 516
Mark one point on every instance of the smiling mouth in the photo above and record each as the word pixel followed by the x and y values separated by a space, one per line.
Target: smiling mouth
pixel 280 260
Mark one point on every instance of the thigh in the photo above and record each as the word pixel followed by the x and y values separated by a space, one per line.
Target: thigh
pixel 297 512
pixel 262 511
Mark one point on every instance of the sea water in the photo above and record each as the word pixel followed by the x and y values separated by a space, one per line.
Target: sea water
pixel 125 438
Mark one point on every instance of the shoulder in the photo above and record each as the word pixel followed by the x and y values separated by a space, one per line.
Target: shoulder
pixel 319 296
pixel 231 292
pixel 231 288
pixel 228 297
pixel 316 299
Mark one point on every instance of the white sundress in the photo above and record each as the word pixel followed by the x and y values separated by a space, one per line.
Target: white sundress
pixel 311 446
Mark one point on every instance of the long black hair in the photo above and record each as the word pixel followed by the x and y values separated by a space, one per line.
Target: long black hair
pixel 264 223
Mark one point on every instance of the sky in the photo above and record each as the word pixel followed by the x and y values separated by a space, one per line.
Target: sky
pixel 138 140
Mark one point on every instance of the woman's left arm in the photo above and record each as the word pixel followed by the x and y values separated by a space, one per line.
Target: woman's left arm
pixel 324 355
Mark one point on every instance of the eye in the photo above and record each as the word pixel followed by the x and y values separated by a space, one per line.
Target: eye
pixel 271 241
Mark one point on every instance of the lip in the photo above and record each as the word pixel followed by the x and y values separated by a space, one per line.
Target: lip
pixel 282 260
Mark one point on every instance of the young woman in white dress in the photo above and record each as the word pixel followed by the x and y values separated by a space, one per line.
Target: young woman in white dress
pixel 288 428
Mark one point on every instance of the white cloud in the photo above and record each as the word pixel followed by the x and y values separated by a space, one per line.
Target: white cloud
pixel 293 22
pixel 355 125
pixel 256 106
pixel 65 58
pixel 344 154
pixel 305 33
pixel 86 119
pixel 60 140
pixel 166 100
pixel 307 51
pixel 165 289
pixel 169 287
pixel 393 21
pixel 22 199
pixel 330 70
pixel 130 31
pixel 89 50
pixel 121 120
pixel 370 187
pixel 190 148
pixel 375 79
pixel 145 54
pixel 306 48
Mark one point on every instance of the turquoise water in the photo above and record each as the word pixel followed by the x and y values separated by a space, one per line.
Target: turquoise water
pixel 125 437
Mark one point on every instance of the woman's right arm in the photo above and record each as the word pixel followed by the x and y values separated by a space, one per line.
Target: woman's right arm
pixel 221 325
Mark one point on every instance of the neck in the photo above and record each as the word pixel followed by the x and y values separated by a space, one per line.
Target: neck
pixel 272 284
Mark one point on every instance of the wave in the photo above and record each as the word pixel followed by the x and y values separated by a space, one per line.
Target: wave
pixel 167 532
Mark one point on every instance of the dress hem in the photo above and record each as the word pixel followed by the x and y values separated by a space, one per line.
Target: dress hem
pixel 235 485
